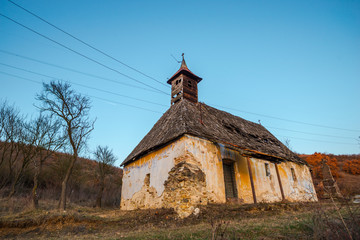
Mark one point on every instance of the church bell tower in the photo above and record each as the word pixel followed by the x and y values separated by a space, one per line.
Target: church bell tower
pixel 184 84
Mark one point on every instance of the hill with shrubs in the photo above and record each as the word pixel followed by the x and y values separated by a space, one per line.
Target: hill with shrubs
pixel 83 186
pixel 344 168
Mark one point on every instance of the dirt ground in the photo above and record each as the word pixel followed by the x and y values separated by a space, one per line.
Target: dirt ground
pixel 262 221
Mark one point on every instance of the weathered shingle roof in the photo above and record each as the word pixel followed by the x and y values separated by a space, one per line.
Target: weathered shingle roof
pixel 201 120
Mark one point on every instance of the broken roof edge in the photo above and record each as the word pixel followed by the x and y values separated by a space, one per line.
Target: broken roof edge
pixel 241 150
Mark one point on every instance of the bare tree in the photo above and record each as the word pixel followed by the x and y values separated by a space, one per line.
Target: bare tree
pixel 24 147
pixel 72 109
pixel 11 127
pixel 48 138
pixel 106 159
pixel 287 143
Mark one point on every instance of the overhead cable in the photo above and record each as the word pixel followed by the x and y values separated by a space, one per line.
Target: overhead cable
pixel 287 120
pixel 82 55
pixel 87 44
pixel 317 134
pixel 316 140
pixel 76 71
pixel 104 99
pixel 81 85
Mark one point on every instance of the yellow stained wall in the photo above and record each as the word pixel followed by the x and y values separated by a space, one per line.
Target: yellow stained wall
pixel 211 156
pixel 242 178
pixel 301 189
pixel 136 193
pixel 267 188
pixel 208 156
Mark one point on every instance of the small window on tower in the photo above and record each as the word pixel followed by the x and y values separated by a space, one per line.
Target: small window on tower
pixel 189 83
pixel 267 169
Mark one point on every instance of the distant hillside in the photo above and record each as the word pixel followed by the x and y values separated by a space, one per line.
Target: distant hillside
pixel 83 183
pixel 345 169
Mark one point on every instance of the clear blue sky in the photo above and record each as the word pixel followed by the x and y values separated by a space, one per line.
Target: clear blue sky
pixel 295 60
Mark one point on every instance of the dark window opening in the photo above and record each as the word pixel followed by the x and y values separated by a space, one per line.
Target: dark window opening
pixel 267 169
pixel 189 84
pixel 178 81
pixel 293 174
pixel 229 179
pixel 147 179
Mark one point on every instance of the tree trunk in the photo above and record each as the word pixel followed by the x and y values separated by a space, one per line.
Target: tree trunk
pixel 62 203
pixel 100 193
pixel 14 183
pixel 35 197
pixel 12 191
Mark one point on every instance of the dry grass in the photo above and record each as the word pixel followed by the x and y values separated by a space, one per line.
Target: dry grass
pixel 263 221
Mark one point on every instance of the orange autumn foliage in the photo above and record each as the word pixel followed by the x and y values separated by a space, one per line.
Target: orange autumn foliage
pixel 315 161
pixel 352 167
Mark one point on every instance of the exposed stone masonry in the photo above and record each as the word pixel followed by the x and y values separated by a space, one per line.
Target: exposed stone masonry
pixel 330 186
pixel 185 188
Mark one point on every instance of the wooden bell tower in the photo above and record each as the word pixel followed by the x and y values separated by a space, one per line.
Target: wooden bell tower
pixel 184 84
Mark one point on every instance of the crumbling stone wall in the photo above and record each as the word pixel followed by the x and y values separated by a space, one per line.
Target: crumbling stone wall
pixel 145 198
pixel 185 188
pixel 184 185
pixel 330 186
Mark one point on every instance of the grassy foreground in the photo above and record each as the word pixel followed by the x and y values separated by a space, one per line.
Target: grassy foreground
pixel 323 220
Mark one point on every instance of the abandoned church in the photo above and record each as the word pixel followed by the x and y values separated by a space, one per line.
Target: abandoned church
pixel 196 154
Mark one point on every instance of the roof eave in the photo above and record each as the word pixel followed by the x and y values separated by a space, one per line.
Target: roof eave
pixel 242 150
pixel 186 72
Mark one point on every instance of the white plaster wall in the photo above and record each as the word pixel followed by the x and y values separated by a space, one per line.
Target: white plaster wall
pixel 158 164
pixel 300 190
pixel 267 188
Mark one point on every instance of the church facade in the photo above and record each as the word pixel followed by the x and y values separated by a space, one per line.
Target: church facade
pixel 196 154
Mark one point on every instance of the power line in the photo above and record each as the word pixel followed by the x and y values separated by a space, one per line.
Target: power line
pixel 125 104
pixel 76 71
pixel 11 75
pixel 87 44
pixel 263 115
pixel 287 120
pixel 78 84
pixel 110 80
pixel 317 134
pixel 315 140
pixel 133 106
pixel 80 54
pixel 38 82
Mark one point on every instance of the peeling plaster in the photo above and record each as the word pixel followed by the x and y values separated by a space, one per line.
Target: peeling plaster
pixel 300 190
pixel 147 183
pixel 267 188
pixel 157 163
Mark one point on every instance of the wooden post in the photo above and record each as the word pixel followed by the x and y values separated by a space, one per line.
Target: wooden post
pixel 251 180
pixel 280 184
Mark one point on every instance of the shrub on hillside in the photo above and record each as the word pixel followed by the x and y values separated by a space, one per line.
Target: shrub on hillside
pixel 315 160
pixel 352 167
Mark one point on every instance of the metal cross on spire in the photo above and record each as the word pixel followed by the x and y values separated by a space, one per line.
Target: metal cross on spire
pixel 183 63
